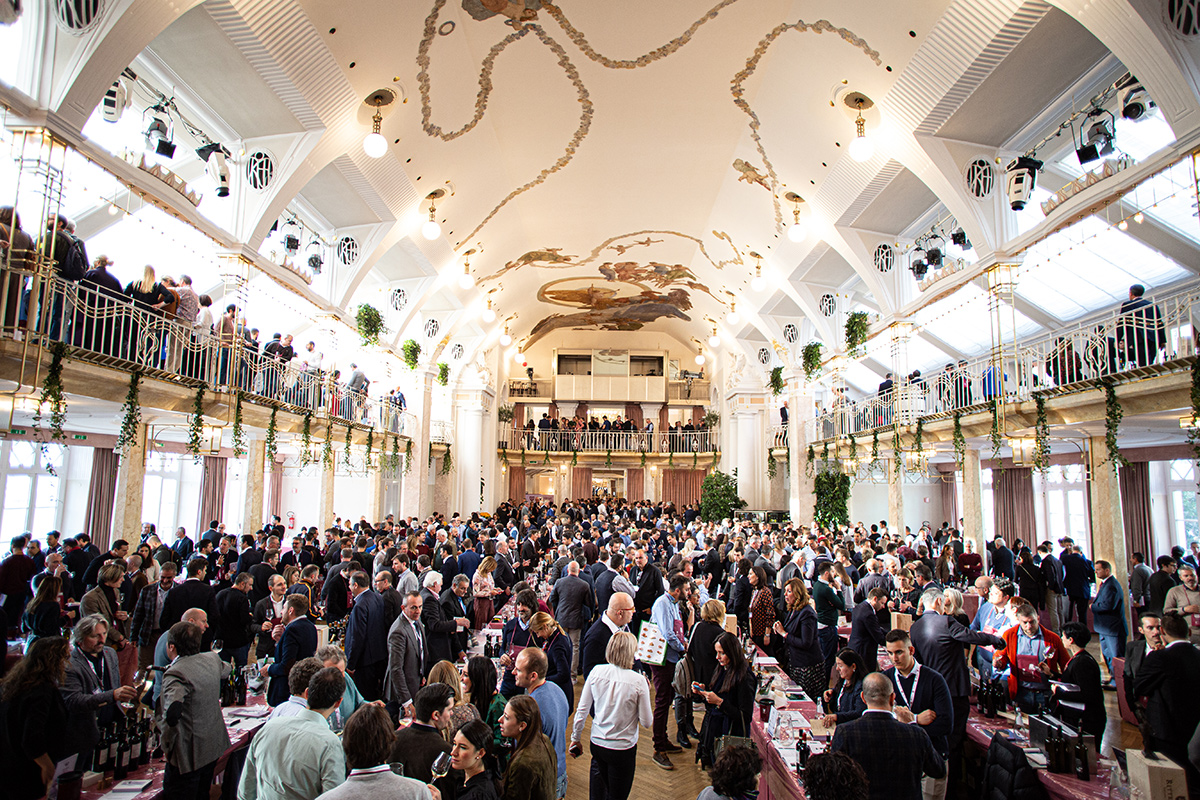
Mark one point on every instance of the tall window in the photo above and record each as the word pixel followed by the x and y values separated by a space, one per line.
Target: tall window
pixel 1066 504
pixel 1181 484
pixel 30 500
pixel 988 501
pixel 160 493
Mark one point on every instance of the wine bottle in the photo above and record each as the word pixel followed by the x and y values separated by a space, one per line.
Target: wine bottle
pixel 1082 768
pixel 241 686
pixel 114 743
pixel 1054 750
pixel 803 751
pixel 135 743
pixel 100 753
pixel 147 741
pixel 121 764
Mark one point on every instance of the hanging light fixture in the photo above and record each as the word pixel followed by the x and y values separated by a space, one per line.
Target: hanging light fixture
pixel 700 359
pixel 431 229
pixel 374 143
pixel 714 340
pixel 796 231
pixel 505 338
pixel 489 313
pixel 733 318
pixel 758 282
pixel 465 281
pixel 861 148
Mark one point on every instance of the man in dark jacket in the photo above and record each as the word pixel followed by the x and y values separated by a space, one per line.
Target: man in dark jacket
pixel 439 630
pixel 1167 679
pixel 1162 582
pixel 1077 581
pixel 1108 615
pixel 366 638
pixel 457 603
pixel 1003 562
pixel 261 573
pixel 234 620
pixel 1053 575
pixel 574 606
pixel 595 640
pixel 299 640
pixel 866 634
pixel 192 593
pixel 923 698
pixel 647 579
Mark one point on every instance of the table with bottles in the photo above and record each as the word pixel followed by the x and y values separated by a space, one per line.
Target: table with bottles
pixel 791 731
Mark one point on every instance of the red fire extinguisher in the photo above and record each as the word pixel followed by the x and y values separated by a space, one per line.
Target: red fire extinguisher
pixel 291 520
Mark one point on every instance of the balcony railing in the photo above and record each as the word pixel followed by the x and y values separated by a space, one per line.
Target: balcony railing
pixel 1107 344
pixel 441 431
pixel 696 389
pixel 534 388
pixel 107 327
pixel 703 441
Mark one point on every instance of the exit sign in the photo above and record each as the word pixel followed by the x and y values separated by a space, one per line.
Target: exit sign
pixel 79 437
pixel 17 431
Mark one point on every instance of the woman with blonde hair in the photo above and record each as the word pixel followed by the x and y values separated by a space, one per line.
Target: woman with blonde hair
pixel 954 606
pixel 462 712
pixel 559 651
pixel 484 588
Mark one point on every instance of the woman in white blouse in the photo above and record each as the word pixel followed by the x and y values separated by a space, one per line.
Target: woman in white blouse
pixel 622 700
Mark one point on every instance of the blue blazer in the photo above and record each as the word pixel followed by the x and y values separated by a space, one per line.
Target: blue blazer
pixel 850 704
pixel 1108 609
pixel 299 641
pixel 1078 575
pixel 367 631
pixel 931 693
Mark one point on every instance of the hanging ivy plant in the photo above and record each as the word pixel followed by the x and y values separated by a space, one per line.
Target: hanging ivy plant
pixel 853 445
pixel 270 447
pixel 671 459
pixel 919 436
pixel 239 432
pixel 896 443
pixel 370 446
pixel 522 456
pixel 196 425
pixel 306 457
pixel 608 458
pixel 960 441
pixel 874 450
pixel 443 373
pixel 695 459
pixel 787 460
pixel 1193 436
pixel 546 460
pixel 447 462
pixel 643 464
pixel 994 435
pixel 810 360
pixel 52 396
pixel 776 381
pixel 408 457
pixel 856 332
pixel 412 353
pixel 714 461
pixel 771 469
pixel 1041 437
pixel 394 458
pixel 349 442
pixel 327 449
pixel 831 491
pixel 131 416
pixel 825 456
pixel 370 323
pixel 575 457
pixel 810 457
pixel 1112 425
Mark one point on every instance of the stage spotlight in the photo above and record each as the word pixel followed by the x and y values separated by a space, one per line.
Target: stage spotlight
pixel 1097 143
pixel 1020 180
pixel 959 239
pixel 1135 101
pixel 158 132
pixel 216 158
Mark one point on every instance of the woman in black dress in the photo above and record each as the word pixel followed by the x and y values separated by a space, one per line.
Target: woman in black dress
pixel 469 753
pixel 149 296
pixel 806 665
pixel 44 616
pixel 728 696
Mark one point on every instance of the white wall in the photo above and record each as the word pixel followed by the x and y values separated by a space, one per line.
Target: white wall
pixel 922 502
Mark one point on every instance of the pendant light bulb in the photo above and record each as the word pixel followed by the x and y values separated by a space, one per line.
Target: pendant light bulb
pixel 505 339
pixel 465 281
pixel 714 341
pixel 862 148
pixel 374 145
pixel 733 318
pixel 758 282
pixel 431 230
pixel 700 360
pixel 489 313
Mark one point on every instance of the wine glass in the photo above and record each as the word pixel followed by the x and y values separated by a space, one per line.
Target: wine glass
pixel 441 765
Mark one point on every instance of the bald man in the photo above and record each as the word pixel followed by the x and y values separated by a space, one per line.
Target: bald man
pixel 574 605
pixel 595 641
pixel 197 616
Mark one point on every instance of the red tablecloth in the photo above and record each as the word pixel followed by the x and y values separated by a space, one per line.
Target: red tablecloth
pixel 241 731
pixel 777 781
pixel 1058 786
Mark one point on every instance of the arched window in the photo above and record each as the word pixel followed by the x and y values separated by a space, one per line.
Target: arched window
pixel 30 501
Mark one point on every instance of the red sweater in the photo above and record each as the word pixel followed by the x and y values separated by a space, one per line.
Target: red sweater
pixel 1057 656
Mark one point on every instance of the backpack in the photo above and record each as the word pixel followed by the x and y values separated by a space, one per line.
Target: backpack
pixel 74 264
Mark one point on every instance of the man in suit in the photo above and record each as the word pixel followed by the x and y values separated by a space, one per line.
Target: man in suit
pixel 830 604
pixel 406 658
pixel 1053 575
pixel 1162 582
pixel 1150 623
pixel 940 643
pixel 267 613
pixel 192 593
pixel 297 640
pixel 261 573
pixel 457 603
pixel 595 640
pixel 866 634
pixel 1078 577
pixel 91 690
pixel 923 698
pixel 648 581
pixel 1003 562
pixel 895 756
pixel 366 638
pixel 504 575
pixel 195 735
pixel 212 534
pixel 440 630
pixel 574 607
pixel 1167 679
pixel 249 554
pixel 119 550
pixel 393 601
pixel 234 620
pixel 419 744
pixel 183 546
pixel 1108 616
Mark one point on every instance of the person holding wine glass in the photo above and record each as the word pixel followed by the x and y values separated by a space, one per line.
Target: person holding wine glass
pixel 419 744
pixel 470 755
pixel 367 742
pixel 532 772
pixel 194 734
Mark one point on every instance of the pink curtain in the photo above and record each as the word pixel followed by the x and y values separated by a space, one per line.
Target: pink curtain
pixel 1135 507
pixel 553 410
pixel 275 499
pixel 682 486
pixel 102 492
pixel 633 411
pixel 212 490
pixel 1014 516
pixel 516 484
pixel 697 415
pixel 635 485
pixel 581 483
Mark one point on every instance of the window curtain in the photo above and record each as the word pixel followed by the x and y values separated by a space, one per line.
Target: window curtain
pixel 1135 507
pixel 1014 515
pixel 697 415
pixel 662 419
pixel 682 486
pixel 516 484
pixel 275 499
pixel 950 500
pixel 635 485
pixel 102 492
pixel 212 489
pixel 518 415
pixel 581 482
pixel 633 411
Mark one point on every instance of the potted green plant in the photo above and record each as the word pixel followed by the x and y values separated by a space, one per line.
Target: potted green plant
pixel 810 359
pixel 856 332
pixel 776 382
pixel 505 413
pixel 443 377
pixel 412 353
pixel 370 323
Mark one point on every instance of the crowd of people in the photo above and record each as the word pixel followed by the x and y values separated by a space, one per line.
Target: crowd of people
pixel 407 700
pixel 592 432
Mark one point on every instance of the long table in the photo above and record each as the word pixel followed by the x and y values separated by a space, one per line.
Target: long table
pixel 229 765
pixel 1058 786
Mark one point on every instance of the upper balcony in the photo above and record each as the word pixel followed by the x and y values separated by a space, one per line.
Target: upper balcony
pixel 650 442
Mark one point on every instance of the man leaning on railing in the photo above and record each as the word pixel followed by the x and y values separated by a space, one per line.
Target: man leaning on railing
pixel 1140 330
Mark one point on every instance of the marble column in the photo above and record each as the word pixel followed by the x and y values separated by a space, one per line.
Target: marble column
pixel 416 493
pixel 468 450
pixel 325 510
pixel 801 498
pixel 375 482
pixel 972 510
pixel 896 495
pixel 748 468
pixel 1108 524
pixel 127 507
pixel 252 515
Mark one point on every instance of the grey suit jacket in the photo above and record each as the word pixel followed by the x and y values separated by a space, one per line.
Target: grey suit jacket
pixel 199 737
pixel 406 661
pixel 83 698
pixel 573 602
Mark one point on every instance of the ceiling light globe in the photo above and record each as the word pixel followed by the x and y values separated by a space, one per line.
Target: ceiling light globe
pixel 489 315
pixel 375 145
pixel 758 283
pixel 714 341
pixel 862 148
pixel 797 232
pixel 700 360
pixel 431 230
pixel 465 281
pixel 734 318
pixel 518 357
pixel 505 340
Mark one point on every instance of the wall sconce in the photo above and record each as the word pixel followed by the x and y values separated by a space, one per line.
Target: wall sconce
pixel 1023 450
pixel 431 229
pixel 211 439
pixel 796 231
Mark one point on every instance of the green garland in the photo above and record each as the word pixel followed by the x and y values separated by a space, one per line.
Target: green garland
pixel 429 458
pixel 327 460
pixel 408 457
pixel 447 463
pixel 896 444
pixel 810 359
pixel 270 447
pixel 394 460
pixel 608 457
pixel 1193 437
pixel 575 457
pixel 1041 437
pixel 53 396
pixel 131 416
pixel 810 457
pixel 695 459
pixel 671 459
pixel 714 461
pixel 825 456
pixel 771 468
pixel 349 442
pixel 443 377
pixel 239 432
pixel 1112 424
pixel 370 324
pixel 306 440
pixel 856 332
pixel 522 456
pixel 776 381
pixel 919 436
pixel 370 446
pixel 643 464
pixel 853 445
pixel 196 425
pixel 874 450
pixel 960 441
pixel 412 353
pixel 994 434
pixel 546 460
